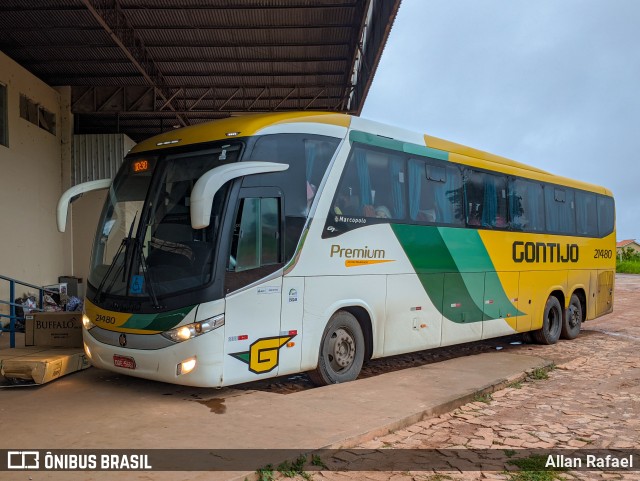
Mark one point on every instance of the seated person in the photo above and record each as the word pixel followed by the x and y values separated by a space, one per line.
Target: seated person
pixel 382 212
pixel 427 215
pixel 347 205
pixel 311 193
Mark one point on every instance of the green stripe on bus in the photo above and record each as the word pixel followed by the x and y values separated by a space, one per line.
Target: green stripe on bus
pixel 397 145
pixel 157 322
pixel 459 291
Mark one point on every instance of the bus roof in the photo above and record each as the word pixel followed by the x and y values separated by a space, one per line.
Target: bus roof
pixel 248 125
pixel 243 125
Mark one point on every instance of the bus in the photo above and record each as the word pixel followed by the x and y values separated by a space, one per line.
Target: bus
pixel 279 243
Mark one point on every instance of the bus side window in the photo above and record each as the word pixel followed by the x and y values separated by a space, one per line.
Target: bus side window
pixel 372 185
pixel 526 205
pixel 486 199
pixel 586 221
pixel 560 209
pixel 435 193
pixel 606 215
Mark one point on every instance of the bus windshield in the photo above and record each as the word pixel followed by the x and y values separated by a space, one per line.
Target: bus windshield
pixel 145 245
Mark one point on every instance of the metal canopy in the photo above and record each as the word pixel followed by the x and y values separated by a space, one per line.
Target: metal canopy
pixel 146 66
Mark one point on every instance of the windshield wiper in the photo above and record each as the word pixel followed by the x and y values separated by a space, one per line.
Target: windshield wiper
pixel 139 251
pixel 147 279
pixel 123 245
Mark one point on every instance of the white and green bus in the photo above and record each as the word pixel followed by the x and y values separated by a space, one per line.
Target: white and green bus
pixel 273 244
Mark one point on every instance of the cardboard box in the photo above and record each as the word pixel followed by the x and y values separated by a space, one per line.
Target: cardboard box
pixel 53 329
pixel 42 366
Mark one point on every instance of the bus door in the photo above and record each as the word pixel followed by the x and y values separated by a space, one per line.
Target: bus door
pixel 254 287
pixel 291 325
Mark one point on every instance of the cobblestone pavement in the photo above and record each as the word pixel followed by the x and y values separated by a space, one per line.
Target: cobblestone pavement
pixel 590 400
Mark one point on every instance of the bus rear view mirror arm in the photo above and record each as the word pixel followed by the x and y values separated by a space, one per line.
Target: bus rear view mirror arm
pixel 206 187
pixel 70 195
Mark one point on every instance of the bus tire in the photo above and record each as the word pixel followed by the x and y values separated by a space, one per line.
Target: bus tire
pixel 573 319
pixel 551 323
pixel 341 351
pixel 527 338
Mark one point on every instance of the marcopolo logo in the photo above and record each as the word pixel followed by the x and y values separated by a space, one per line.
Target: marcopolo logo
pixel 359 256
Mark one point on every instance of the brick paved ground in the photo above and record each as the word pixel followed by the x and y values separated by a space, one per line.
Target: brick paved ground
pixel 591 400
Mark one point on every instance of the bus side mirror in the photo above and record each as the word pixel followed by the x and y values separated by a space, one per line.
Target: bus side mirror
pixel 72 194
pixel 206 187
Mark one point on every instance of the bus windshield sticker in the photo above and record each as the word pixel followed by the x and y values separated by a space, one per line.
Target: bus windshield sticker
pixel 137 284
pixel 269 290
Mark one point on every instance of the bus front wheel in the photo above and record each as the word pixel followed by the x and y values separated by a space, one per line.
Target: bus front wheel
pixel 341 351
pixel 551 323
pixel 573 319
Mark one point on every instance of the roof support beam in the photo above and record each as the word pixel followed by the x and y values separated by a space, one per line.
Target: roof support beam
pixel 200 98
pixel 314 99
pixel 108 14
pixel 109 99
pixel 257 98
pixel 285 99
pixel 136 102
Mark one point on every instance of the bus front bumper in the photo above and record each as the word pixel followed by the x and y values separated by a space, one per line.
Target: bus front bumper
pixel 166 364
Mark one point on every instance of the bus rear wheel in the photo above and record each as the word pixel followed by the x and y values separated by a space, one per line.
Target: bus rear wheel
pixel 551 323
pixel 573 319
pixel 341 351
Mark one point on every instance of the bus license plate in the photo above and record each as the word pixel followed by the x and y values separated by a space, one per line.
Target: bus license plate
pixel 124 361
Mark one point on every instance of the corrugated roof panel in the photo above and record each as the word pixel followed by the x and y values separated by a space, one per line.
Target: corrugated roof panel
pixel 47 19
pixel 232 3
pixel 93 69
pixel 71 38
pixel 259 68
pixel 239 18
pixel 45 5
pixel 249 37
pixel 254 80
pixel 333 52
pixel 77 54
pixel 281 53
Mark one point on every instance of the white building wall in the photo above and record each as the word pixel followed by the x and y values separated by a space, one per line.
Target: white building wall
pixel 34 169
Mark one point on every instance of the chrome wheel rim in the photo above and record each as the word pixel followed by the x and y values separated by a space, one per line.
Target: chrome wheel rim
pixel 341 349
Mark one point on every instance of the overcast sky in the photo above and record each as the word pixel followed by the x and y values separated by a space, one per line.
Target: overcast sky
pixel 551 83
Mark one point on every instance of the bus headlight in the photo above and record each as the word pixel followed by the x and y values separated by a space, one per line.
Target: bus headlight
pixel 189 331
pixel 86 322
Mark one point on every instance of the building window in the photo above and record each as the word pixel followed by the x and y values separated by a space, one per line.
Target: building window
pixel 37 114
pixel 4 129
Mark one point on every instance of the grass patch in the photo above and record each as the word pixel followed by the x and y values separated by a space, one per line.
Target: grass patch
pixel 540 373
pixel 291 469
pixel 509 452
pixel 483 398
pixel 266 473
pixel 533 469
pixel 516 385
pixel 584 440
pixel 317 461
pixel 628 267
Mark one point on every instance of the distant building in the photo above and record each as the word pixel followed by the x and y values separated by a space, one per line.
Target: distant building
pixel 624 244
